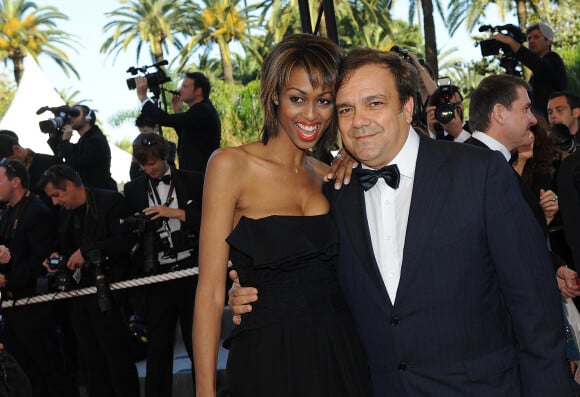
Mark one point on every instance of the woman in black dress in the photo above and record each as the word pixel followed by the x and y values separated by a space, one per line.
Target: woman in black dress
pixel 263 208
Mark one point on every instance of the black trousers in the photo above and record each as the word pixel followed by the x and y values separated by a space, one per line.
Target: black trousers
pixel 29 334
pixel 167 303
pixel 103 349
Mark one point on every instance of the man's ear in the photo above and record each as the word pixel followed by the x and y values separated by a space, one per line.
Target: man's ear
pixel 576 113
pixel 498 113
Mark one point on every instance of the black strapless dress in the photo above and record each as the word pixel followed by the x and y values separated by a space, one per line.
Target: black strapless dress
pixel 299 340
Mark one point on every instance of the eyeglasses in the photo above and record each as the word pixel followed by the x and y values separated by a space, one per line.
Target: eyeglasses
pixel 147 140
pixel 9 165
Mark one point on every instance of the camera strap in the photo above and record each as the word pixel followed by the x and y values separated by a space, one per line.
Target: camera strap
pixel 12 222
pixel 154 194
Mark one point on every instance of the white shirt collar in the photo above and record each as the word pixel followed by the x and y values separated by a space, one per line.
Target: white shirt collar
pixel 492 143
pixel 406 159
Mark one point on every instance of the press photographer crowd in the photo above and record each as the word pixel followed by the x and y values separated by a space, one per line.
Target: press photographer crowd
pixel 65 225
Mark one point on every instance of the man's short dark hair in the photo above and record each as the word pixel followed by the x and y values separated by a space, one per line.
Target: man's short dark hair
pixel 492 90
pixel 7 144
pixel 200 81
pixel 10 133
pixel 144 120
pixel 150 145
pixel 15 169
pixel 57 175
pixel 572 99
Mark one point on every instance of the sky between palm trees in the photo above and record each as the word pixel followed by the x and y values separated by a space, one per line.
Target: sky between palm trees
pixel 104 83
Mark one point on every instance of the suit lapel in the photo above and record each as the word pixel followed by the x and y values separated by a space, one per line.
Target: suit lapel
pixel 429 188
pixel 355 217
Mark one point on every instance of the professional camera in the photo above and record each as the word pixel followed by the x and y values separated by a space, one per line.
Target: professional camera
pixel 156 237
pixel 444 108
pixel 62 115
pixel 63 280
pixel 104 299
pixel 561 138
pixel 154 79
pixel 492 46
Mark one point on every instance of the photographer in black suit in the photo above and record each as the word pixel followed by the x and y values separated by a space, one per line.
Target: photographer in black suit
pixel 28 331
pixel 89 230
pixel 36 163
pixel 171 199
pixel 198 129
pixel 91 155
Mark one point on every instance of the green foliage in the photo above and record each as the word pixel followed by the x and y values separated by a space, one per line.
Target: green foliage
pixel 239 110
pixel 125 144
pixel 7 91
pixel 571 58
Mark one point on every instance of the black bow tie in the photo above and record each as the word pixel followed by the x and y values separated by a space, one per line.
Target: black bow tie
pixel 165 179
pixel 368 178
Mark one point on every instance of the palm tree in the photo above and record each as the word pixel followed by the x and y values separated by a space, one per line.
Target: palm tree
pixel 149 22
pixel 426 7
pixel 472 11
pixel 221 22
pixel 26 29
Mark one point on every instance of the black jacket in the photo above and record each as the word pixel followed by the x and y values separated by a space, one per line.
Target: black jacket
pixel 90 157
pixel 198 129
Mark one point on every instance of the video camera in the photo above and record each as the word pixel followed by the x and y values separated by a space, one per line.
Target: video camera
pixel 492 46
pixel 154 79
pixel 62 115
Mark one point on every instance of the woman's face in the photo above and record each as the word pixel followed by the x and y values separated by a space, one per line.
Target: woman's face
pixel 304 112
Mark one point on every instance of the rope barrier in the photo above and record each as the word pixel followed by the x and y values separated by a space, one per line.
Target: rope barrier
pixel 136 282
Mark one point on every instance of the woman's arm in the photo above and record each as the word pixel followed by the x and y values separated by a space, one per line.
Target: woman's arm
pixel 221 192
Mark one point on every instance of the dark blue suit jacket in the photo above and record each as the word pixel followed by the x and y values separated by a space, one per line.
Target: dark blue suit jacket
pixel 477 311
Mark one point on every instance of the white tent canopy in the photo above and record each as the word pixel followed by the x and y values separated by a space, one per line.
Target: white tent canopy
pixel 34 92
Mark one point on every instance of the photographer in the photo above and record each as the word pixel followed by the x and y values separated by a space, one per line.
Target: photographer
pixel 549 72
pixel 198 129
pixel 29 331
pixel 146 124
pixel 89 222
pixel 36 163
pixel 91 155
pixel 445 115
pixel 171 199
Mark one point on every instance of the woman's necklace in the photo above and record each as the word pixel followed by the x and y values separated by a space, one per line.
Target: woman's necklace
pixel 288 165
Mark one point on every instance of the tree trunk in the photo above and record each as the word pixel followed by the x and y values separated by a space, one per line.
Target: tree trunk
pixel 18 62
pixel 226 61
pixel 430 38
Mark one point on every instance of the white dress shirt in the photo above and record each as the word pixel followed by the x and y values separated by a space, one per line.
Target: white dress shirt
pixel 492 144
pixel 387 211
pixel 173 223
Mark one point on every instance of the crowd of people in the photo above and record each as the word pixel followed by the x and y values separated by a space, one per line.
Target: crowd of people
pixel 432 256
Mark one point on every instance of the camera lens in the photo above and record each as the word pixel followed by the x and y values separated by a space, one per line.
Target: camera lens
pixel 445 112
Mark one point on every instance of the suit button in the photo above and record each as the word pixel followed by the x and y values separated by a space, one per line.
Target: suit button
pixel 403 366
pixel 395 320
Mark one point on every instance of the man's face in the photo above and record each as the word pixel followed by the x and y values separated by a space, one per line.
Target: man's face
pixel 79 121
pixel 373 124
pixel 189 93
pixel 517 121
pixel 6 186
pixel 69 198
pixel 154 167
pixel 538 43
pixel 559 112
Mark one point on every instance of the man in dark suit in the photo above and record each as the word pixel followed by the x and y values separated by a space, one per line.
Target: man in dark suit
pixel 36 163
pixel 29 331
pixel 94 244
pixel 479 315
pixel 172 200
pixel 91 155
pixel 198 129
